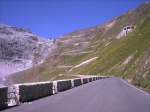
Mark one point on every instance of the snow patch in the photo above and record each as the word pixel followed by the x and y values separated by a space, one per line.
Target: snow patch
pixel 81 35
pixel 110 24
pixel 128 60
pixel 107 44
pixel 83 63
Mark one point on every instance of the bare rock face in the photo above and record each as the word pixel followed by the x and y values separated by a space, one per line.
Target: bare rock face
pixel 19 48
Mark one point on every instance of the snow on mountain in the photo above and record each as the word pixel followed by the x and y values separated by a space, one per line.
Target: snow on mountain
pixel 20 48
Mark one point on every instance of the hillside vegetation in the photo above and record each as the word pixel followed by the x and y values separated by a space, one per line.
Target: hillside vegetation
pixel 98 51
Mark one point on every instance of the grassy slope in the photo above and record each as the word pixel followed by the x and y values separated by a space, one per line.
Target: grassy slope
pixel 111 57
pixel 135 43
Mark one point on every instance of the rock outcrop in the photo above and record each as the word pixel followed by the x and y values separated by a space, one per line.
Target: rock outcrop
pixel 19 48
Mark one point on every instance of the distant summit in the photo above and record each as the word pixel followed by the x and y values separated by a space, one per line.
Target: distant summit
pixel 17 49
pixel 98 51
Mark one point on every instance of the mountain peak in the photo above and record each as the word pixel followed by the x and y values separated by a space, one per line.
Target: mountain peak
pixel 18 47
pixel 97 50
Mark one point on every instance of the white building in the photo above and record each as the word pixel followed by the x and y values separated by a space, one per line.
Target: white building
pixel 125 31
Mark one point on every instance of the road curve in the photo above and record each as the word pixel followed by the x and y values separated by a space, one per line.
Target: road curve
pixel 105 95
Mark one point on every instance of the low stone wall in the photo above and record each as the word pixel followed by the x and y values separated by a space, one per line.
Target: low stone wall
pixel 34 91
pixel 64 85
pixel 90 79
pixel 94 78
pixel 85 80
pixel 77 82
pixel 31 91
pixel 3 98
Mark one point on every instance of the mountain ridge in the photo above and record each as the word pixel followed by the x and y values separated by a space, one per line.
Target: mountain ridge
pixel 127 57
pixel 18 47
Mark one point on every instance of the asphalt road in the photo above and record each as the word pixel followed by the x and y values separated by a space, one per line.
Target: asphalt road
pixel 105 95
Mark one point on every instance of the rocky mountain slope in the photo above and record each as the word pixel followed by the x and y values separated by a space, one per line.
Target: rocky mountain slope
pixel 20 49
pixel 118 47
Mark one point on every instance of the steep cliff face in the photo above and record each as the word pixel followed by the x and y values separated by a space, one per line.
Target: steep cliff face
pixel 19 48
pixel 98 50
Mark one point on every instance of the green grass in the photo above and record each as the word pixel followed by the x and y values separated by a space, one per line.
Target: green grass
pixel 119 50
pixel 111 57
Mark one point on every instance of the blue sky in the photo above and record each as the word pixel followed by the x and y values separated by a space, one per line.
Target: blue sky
pixel 53 18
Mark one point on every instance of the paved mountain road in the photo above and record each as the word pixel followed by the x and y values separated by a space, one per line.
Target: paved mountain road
pixel 105 95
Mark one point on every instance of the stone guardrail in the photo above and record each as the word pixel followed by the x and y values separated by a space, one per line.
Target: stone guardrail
pixel 3 97
pixel 77 82
pixel 26 92
pixel 64 85
pixel 36 90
